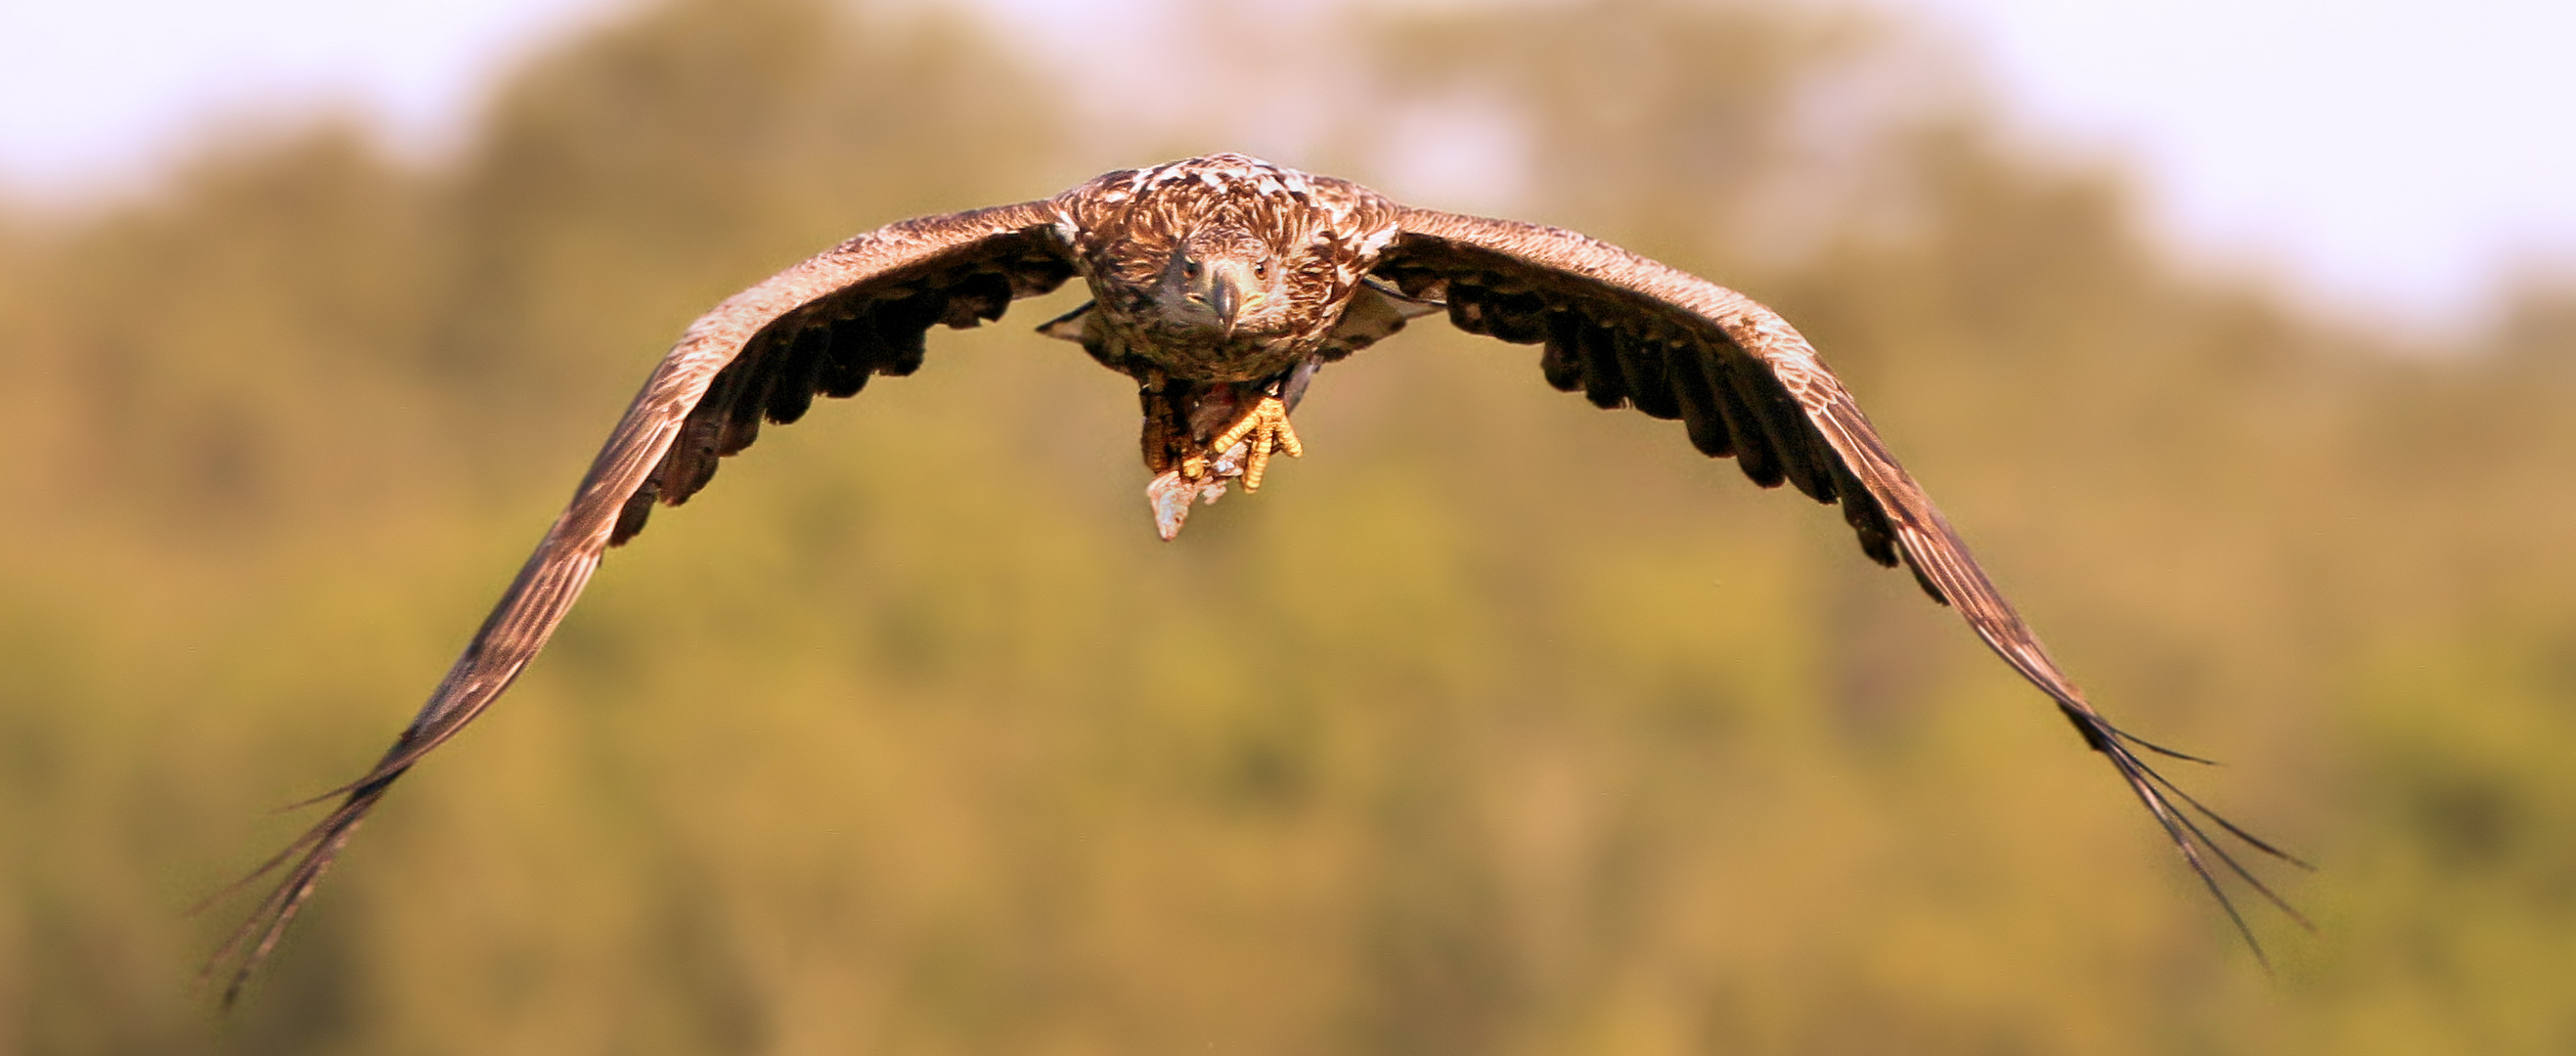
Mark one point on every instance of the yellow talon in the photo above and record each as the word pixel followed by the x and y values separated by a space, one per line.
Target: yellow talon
pixel 1252 467
pixel 1266 428
pixel 1245 425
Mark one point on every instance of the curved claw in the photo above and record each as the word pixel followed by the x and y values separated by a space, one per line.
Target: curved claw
pixel 1263 430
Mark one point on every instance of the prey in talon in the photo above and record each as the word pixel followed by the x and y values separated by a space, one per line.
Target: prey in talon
pixel 1199 477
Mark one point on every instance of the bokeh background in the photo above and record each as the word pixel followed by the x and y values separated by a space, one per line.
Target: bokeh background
pixel 1497 724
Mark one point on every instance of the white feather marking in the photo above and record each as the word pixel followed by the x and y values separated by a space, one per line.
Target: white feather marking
pixel 1377 240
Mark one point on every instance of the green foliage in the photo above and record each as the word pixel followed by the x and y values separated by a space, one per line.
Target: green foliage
pixel 1496 724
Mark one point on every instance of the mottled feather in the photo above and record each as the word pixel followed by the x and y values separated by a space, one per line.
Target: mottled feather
pixel 1312 269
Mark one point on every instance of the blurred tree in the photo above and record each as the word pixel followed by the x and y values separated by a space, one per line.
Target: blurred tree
pixel 908 737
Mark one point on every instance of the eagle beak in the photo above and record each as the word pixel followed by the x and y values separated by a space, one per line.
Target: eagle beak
pixel 1225 287
pixel 1225 299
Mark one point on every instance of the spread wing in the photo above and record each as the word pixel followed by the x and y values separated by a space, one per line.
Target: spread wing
pixel 822 327
pixel 1626 330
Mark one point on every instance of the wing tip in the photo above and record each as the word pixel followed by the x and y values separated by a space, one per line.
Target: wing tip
pixel 2172 808
pixel 239 957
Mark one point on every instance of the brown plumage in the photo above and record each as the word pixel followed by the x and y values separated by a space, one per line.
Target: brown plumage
pixel 1220 285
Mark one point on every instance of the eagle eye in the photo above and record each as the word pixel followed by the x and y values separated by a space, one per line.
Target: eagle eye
pixel 1190 267
pixel 1260 269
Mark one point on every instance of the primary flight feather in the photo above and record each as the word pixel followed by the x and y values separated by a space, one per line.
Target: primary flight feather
pixel 1220 285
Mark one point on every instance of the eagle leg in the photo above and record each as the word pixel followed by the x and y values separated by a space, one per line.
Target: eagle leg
pixel 1166 432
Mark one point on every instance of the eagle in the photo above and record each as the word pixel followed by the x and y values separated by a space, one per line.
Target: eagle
pixel 1220 285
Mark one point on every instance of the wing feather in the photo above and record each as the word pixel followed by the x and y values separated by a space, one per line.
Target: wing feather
pixel 1785 416
pixel 1644 363
pixel 1702 415
pixel 1605 382
pixel 1776 419
pixel 820 327
pixel 1561 361
pixel 1757 449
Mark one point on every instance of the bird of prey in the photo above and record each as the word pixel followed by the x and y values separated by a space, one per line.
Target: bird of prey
pixel 1219 285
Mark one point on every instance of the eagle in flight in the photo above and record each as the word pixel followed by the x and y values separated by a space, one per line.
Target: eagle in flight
pixel 1220 285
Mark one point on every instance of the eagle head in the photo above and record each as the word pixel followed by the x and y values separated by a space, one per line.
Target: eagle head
pixel 1221 268
pixel 1226 279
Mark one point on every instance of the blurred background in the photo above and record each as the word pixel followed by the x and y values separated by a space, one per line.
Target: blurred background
pixel 1497 724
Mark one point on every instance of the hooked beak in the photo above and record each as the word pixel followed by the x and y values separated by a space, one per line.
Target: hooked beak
pixel 1226 287
pixel 1226 300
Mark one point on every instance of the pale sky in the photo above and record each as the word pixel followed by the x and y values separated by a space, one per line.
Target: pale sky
pixel 2385 153
pixel 2392 152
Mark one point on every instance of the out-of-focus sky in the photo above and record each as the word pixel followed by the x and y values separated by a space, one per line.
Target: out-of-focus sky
pixel 2386 153
pixel 2392 152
